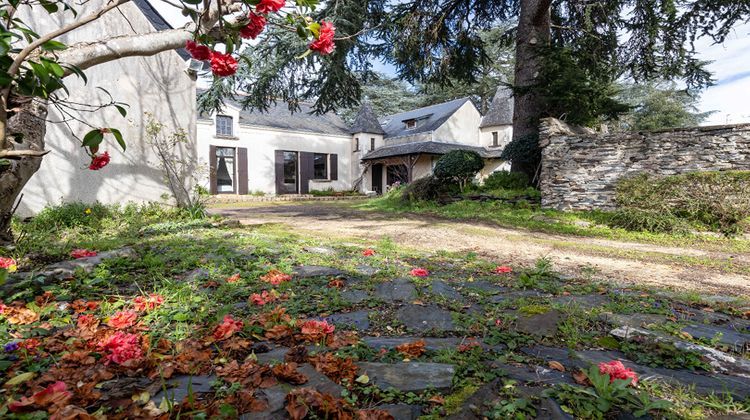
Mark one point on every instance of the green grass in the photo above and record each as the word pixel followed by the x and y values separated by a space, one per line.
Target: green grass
pixel 587 224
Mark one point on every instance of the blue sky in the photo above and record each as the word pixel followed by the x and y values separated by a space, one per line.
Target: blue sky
pixel 730 97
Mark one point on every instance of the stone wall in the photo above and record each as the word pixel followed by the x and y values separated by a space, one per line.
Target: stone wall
pixel 580 168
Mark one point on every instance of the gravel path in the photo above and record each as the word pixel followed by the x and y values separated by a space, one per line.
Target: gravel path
pixel 620 262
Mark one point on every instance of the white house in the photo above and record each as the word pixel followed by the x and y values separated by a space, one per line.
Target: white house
pixel 158 84
pixel 280 152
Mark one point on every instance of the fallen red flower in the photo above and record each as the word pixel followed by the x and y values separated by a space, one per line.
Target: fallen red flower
pixel 616 370
pixel 503 269
pixel 275 277
pixel 368 252
pixel 122 319
pixel 121 347
pixel 55 394
pixel 82 253
pixel 147 303
pixel 420 272
pixel 227 327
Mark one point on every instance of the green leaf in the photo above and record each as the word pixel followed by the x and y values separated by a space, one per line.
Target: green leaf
pixel 40 71
pixel 52 66
pixel 78 72
pixel 314 28
pixel 54 46
pixel 118 137
pixel 121 109
pixel 19 379
pixel 93 138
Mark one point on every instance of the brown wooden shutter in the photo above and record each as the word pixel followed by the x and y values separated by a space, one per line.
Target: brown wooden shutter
pixel 241 170
pixel 212 170
pixel 279 165
pixel 334 162
pixel 306 171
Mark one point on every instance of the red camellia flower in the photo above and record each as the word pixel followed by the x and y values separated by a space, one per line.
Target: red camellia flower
pixel 121 347
pixel 275 277
pixel 122 319
pixel 29 344
pixel 254 27
pixel 99 161
pixel 9 264
pixel 227 327
pixel 368 252
pixel 314 328
pixel 82 253
pixel 223 65
pixel 147 303
pixel 616 370
pixel 198 51
pixel 324 42
pixel 55 394
pixel 419 272
pixel 269 6
pixel 503 269
pixel 263 297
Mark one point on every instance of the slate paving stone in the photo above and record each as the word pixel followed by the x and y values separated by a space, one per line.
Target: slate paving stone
pixel 411 376
pixel 425 318
pixel 402 411
pixel 533 374
pixel 582 301
pixel 703 383
pixel 358 320
pixel 354 296
pixel 396 290
pixel 484 287
pixel 178 388
pixel 277 354
pixel 307 271
pixel 729 337
pixel 432 344
pixel 517 294
pixel 125 387
pixel 544 325
pixel 633 320
pixel 321 250
pixel 366 270
pixel 66 269
pixel 444 290
pixel 275 396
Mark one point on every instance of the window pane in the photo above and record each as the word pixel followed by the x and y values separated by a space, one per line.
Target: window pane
pixel 223 125
pixel 290 168
pixel 320 166
pixel 225 169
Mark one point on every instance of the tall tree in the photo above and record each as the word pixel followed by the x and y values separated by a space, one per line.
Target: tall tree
pixel 659 105
pixel 434 41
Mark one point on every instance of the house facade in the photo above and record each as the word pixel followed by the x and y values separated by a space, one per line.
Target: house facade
pixel 159 85
pixel 279 152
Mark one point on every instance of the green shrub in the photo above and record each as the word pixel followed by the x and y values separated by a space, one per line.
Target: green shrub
pixel 71 215
pixel 428 188
pixel 507 181
pixel 459 166
pixel 718 200
pixel 647 220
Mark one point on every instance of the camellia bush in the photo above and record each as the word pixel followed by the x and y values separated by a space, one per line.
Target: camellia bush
pixel 34 67
pixel 459 166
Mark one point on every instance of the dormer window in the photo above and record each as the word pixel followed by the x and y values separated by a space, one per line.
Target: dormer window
pixel 413 123
pixel 410 124
pixel 223 126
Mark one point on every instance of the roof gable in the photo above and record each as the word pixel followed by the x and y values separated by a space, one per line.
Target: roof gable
pixel 366 121
pixel 501 109
pixel 431 117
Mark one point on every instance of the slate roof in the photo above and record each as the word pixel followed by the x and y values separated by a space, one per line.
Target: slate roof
pixel 428 148
pixel 279 116
pixel 158 22
pixel 366 121
pixel 501 109
pixel 436 115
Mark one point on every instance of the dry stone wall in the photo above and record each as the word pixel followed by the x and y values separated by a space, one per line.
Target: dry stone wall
pixel 580 168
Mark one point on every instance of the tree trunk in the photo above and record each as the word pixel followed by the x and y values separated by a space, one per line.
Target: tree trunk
pixel 533 32
pixel 27 128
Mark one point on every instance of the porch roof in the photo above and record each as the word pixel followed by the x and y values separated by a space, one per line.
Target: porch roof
pixel 428 148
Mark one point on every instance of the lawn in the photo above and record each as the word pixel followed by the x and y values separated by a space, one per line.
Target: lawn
pixel 178 317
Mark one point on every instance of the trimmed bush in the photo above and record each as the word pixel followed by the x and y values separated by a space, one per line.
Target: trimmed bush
pixel 507 181
pixel 428 188
pixel 459 166
pixel 718 200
